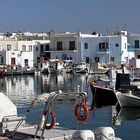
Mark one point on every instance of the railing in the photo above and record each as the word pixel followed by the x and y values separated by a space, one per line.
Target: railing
pixel 103 50
pixel 65 49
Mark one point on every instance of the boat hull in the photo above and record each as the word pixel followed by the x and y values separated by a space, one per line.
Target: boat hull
pixel 103 96
pixel 128 100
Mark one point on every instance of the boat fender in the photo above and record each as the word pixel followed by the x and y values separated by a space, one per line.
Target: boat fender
pixel 53 119
pixel 104 133
pixel 78 112
pixel 83 135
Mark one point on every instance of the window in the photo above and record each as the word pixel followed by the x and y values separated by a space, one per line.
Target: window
pixel 13 61
pixel 86 45
pixel 9 46
pixel 48 55
pixel 38 59
pixel 138 56
pixel 47 47
pixel 117 45
pixel 59 45
pixel 87 59
pixel 41 48
pixel 97 59
pixel 112 59
pixel 36 48
pixel 24 48
pixel 72 45
pixel 64 56
pixel 2 60
pixel 26 62
pixel 136 43
pixel 103 46
pixel 30 48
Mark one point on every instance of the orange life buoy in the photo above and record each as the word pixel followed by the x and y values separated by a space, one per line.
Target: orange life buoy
pixel 53 119
pixel 78 114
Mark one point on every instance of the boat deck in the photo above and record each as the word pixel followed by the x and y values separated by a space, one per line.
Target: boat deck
pixel 28 133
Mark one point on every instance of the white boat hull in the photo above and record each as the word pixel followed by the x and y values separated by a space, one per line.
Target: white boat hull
pixel 128 100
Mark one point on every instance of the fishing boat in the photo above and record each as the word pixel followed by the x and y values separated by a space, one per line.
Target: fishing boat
pixel 16 70
pixel 45 67
pixel 128 99
pixel 56 66
pixel 68 66
pixel 103 95
pixel 81 68
pixel 15 127
pixel 128 95
pixel 98 68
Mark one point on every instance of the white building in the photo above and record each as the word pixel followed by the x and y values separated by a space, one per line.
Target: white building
pixel 90 48
pixel 30 52
pixel 78 47
pixel 134 44
pixel 68 46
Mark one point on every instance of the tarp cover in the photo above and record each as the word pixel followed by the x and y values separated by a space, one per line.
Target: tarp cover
pixel 6 106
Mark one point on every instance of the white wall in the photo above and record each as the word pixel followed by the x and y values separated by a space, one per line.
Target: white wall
pixel 12 54
pixel 117 48
pixel 31 55
pixel 65 38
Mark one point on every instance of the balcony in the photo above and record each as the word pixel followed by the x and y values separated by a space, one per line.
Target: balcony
pixel 61 50
pixel 103 51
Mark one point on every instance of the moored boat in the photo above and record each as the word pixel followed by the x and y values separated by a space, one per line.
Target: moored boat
pixel 128 95
pixel 81 68
pixel 11 70
pixel 102 95
pixel 55 66
pixel 16 127
pixel 128 99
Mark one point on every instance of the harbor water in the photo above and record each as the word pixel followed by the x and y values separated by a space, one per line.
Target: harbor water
pixel 23 89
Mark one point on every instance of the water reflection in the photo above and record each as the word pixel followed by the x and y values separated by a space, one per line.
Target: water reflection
pixel 23 89
pixel 119 116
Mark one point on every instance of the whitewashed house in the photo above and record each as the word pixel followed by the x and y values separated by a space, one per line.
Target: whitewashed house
pixel 68 46
pixel 134 44
pixel 107 48
pixel 8 51
pixel 31 52
pixel 22 49
pixel 78 47
pixel 91 48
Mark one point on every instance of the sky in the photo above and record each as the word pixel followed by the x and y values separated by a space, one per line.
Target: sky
pixel 86 16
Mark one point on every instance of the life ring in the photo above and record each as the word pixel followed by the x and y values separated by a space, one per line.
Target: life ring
pixel 53 119
pixel 77 112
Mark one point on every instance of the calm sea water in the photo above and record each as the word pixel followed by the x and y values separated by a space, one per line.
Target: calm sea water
pixel 23 89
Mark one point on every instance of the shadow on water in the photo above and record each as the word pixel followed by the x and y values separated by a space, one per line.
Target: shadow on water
pixel 121 115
